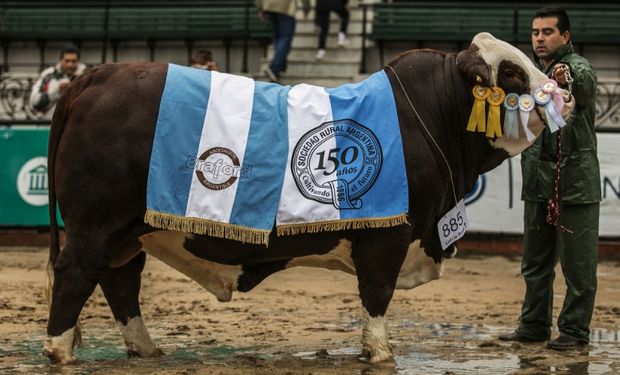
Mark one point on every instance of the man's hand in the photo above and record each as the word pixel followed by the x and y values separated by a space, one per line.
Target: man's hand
pixel 62 85
pixel 561 73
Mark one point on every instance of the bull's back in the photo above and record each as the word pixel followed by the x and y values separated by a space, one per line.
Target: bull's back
pixel 105 144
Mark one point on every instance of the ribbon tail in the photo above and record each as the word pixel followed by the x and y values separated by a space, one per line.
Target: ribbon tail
pixel 553 126
pixel 480 104
pixel 525 117
pixel 493 126
pixel 471 124
pixel 557 118
pixel 511 128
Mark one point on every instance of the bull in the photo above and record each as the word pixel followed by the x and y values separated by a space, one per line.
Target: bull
pixel 100 144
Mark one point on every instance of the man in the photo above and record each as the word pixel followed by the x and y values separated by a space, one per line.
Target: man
pixel 281 14
pixel 55 79
pixel 322 10
pixel 203 59
pixel 574 240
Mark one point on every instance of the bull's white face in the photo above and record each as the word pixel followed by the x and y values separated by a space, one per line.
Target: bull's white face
pixel 494 51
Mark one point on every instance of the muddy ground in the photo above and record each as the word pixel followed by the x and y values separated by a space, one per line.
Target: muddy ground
pixel 306 321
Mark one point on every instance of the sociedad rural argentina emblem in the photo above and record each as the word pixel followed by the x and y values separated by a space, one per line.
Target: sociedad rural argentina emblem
pixel 337 163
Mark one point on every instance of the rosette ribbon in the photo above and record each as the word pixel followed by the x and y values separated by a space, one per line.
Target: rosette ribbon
pixel 526 105
pixel 511 119
pixel 495 99
pixel 554 119
pixel 477 121
pixel 551 86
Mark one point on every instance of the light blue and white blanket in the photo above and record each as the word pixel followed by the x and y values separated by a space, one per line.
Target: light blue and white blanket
pixel 233 157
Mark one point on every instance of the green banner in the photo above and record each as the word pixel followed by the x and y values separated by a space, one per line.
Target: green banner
pixel 23 176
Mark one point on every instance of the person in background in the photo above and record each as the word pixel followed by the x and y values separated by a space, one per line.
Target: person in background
pixel 54 80
pixel 281 14
pixel 573 240
pixel 323 8
pixel 203 59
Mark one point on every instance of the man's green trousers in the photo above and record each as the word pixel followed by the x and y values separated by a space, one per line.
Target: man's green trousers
pixel 577 251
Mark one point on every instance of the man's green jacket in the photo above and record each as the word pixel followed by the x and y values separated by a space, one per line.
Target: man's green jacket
pixel 580 177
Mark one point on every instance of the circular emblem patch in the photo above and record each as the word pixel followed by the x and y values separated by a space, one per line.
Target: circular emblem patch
pixel 337 163
pixel 218 168
pixel 32 181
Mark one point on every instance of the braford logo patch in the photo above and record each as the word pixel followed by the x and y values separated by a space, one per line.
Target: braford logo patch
pixel 217 168
pixel 337 163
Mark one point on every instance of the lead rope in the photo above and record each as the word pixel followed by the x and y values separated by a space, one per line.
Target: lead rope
pixel 554 205
pixel 427 131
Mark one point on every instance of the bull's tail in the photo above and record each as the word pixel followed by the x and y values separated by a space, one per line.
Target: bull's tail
pixel 58 125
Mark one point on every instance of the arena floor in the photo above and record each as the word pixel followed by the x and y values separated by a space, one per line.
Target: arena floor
pixel 304 321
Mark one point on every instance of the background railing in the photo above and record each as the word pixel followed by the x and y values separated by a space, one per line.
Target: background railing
pixel 15 92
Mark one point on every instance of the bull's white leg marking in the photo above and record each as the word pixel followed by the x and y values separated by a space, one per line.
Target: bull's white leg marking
pixel 137 338
pixel 339 258
pixel 59 349
pixel 418 268
pixel 375 343
pixel 167 246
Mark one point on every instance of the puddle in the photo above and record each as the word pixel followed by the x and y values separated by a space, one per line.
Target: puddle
pixel 420 348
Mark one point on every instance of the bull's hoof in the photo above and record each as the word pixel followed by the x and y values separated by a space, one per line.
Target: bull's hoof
pixel 59 349
pixel 376 356
pixel 224 295
pixel 57 359
pixel 152 354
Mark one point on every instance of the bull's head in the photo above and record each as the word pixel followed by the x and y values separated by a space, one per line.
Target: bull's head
pixel 490 62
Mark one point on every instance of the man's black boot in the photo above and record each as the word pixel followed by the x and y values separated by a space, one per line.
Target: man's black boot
pixel 516 336
pixel 565 342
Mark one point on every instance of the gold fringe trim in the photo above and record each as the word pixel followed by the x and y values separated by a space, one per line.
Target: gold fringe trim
pixel 205 226
pixel 334 225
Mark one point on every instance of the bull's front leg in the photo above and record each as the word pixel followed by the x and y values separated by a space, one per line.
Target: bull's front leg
pixel 378 256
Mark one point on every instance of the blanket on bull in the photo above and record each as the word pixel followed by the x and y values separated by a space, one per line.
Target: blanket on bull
pixel 233 158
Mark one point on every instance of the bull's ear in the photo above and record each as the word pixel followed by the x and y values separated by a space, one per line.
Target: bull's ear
pixel 473 67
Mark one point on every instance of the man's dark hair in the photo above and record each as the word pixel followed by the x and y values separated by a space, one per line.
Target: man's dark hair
pixel 70 48
pixel 559 13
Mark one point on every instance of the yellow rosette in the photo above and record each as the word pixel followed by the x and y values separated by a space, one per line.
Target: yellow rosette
pixel 495 99
pixel 476 118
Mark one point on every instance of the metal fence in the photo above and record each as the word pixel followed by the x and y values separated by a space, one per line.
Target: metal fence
pixel 15 91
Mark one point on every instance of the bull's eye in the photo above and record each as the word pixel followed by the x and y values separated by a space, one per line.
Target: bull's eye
pixel 510 74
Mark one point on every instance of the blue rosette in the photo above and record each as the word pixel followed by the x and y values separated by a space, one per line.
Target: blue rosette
pixel 544 99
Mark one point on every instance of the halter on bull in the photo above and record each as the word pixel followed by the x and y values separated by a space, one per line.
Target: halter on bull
pixel 100 145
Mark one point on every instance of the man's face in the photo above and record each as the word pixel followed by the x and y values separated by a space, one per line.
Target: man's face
pixel 546 37
pixel 69 63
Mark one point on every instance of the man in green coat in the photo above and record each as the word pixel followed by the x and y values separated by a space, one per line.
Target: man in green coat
pixel 574 239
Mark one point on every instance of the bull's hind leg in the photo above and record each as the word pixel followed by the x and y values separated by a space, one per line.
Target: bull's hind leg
pixel 121 287
pixel 378 259
pixel 76 273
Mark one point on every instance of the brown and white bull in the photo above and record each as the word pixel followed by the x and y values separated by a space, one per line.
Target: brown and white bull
pixel 100 145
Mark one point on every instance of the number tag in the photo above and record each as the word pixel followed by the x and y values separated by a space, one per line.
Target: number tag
pixel 453 225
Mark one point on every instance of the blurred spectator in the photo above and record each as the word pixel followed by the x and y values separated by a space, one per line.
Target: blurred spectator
pixel 53 80
pixel 203 59
pixel 323 8
pixel 281 14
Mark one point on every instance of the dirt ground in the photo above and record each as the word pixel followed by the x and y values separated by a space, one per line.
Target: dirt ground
pixel 306 321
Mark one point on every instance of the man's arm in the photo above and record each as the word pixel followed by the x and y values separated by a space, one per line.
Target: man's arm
pixel 584 84
pixel 44 92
